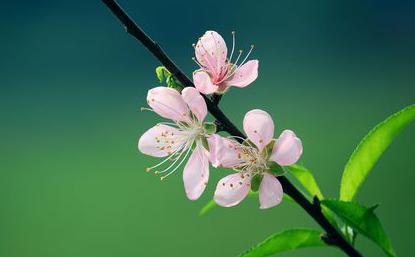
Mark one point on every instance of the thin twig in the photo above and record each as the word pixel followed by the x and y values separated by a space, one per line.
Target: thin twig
pixel 313 209
pixel 216 98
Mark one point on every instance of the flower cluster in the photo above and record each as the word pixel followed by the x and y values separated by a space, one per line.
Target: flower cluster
pixel 188 137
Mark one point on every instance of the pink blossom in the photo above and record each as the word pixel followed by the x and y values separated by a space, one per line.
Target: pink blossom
pixel 217 72
pixel 176 140
pixel 252 158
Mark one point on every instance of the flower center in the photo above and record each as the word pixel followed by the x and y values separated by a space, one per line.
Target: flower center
pixel 182 143
pixel 252 161
pixel 219 72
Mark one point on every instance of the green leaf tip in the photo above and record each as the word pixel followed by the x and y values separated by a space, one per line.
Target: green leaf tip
pixel 307 180
pixel 370 149
pixel 363 220
pixel 285 241
pixel 164 74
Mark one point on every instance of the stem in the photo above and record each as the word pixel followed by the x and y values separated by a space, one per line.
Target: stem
pixel 332 236
pixel 216 98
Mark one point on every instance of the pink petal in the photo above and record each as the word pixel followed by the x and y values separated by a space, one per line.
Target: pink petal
pixel 196 173
pixel 223 152
pixel 203 82
pixel 259 127
pixel 270 192
pixel 159 141
pixel 232 189
pixel 195 102
pixel 244 75
pixel 287 149
pixel 211 52
pixel 168 103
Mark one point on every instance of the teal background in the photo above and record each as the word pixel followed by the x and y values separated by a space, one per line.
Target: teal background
pixel 72 182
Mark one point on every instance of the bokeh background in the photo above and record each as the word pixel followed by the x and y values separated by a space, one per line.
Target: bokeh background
pixel 72 182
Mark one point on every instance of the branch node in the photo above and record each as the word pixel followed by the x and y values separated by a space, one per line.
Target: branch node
pixel 328 239
pixel 219 126
pixel 316 202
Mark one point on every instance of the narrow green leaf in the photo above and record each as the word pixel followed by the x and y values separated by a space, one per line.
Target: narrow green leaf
pixel 162 73
pixel 370 149
pixel 285 241
pixel 211 204
pixel 363 220
pixel 306 179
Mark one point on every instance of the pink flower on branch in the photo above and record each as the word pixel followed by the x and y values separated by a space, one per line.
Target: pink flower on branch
pixel 253 159
pixel 217 73
pixel 176 140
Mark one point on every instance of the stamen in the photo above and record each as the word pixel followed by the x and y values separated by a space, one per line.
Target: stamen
pixel 177 159
pixel 166 159
pixel 181 162
pixel 239 65
pixel 169 123
pixel 233 46
pixel 237 59
pixel 247 55
pixel 146 109
pixel 194 59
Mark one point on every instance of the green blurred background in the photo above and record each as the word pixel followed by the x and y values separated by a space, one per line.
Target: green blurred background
pixel 72 182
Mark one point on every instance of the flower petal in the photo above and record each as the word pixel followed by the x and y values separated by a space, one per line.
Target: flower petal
pixel 232 189
pixel 168 103
pixel 244 75
pixel 270 192
pixel 203 82
pixel 259 127
pixel 196 173
pixel 195 102
pixel 287 149
pixel 223 152
pixel 159 141
pixel 211 52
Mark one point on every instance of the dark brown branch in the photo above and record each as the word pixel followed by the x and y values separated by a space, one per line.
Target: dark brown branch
pixel 313 209
pixel 156 50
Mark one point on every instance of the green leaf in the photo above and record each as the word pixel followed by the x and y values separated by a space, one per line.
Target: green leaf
pixel 306 179
pixel 209 127
pixel 370 149
pixel 275 169
pixel 211 204
pixel 285 241
pixel 255 182
pixel 363 220
pixel 173 83
pixel 162 73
